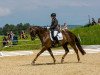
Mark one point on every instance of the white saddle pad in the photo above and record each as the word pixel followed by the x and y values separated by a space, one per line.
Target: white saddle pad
pixel 59 35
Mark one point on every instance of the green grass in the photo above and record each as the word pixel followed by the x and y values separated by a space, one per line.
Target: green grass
pixel 23 44
pixel 88 35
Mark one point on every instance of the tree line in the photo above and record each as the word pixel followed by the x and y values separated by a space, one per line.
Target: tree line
pixel 16 29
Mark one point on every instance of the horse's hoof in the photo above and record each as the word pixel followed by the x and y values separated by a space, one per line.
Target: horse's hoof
pixel 33 63
pixel 62 61
pixel 54 61
pixel 78 60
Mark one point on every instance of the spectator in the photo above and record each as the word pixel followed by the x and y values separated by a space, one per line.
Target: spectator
pixel 99 21
pixel 8 36
pixel 23 35
pixel 5 41
pixel 65 26
pixel 93 21
pixel 11 36
pixel 15 40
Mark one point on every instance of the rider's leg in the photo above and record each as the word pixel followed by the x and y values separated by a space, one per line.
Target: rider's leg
pixel 52 34
pixel 54 37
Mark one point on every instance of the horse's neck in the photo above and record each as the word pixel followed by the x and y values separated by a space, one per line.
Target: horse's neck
pixel 41 34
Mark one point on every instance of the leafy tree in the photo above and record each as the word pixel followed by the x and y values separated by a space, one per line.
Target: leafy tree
pixel 8 28
pixel 14 28
pixel 1 31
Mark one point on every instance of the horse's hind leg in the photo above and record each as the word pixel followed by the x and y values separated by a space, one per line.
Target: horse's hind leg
pixel 49 50
pixel 76 51
pixel 66 52
pixel 43 49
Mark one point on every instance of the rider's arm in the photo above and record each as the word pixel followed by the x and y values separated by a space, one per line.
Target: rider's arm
pixel 54 24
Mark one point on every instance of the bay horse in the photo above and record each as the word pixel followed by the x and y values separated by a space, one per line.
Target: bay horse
pixel 44 36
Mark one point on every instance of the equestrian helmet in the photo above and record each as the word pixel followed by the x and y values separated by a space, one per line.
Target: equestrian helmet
pixel 53 15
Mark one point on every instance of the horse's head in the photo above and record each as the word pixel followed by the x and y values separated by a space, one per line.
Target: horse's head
pixel 32 32
pixel 37 30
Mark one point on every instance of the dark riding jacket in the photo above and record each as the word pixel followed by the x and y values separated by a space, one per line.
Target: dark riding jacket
pixel 54 24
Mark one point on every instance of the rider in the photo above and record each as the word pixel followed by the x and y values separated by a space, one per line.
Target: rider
pixel 53 27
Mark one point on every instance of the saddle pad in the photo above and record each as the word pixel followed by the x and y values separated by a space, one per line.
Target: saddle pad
pixel 59 35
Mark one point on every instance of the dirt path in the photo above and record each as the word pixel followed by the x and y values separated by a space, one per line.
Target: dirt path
pixel 21 65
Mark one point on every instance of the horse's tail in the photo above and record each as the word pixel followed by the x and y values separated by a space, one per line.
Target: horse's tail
pixel 79 46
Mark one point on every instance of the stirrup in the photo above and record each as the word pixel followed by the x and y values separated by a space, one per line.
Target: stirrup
pixel 53 44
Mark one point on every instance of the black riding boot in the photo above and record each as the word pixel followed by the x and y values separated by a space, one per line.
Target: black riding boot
pixel 56 39
pixel 52 44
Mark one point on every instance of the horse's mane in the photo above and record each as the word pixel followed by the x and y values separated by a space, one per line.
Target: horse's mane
pixel 44 28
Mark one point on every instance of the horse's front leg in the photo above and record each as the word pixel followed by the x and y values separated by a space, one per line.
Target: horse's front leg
pixel 42 50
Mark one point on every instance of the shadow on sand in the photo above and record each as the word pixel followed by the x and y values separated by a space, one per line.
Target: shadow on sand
pixel 42 64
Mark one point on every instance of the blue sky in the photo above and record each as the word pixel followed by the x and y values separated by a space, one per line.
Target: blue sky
pixel 38 11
